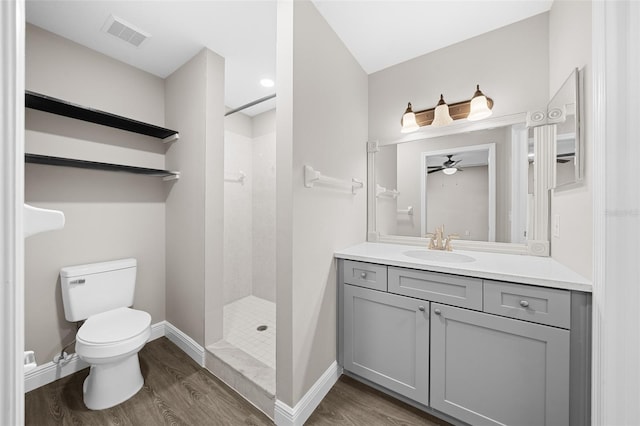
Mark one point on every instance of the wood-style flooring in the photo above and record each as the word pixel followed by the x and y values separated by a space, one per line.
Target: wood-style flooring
pixel 352 403
pixel 177 391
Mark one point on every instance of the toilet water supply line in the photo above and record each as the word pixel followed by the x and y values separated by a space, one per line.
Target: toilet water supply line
pixel 64 357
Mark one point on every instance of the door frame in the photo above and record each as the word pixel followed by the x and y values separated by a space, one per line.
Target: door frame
pixel 12 27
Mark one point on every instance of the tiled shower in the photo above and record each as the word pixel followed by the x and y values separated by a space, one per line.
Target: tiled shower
pixel 249 242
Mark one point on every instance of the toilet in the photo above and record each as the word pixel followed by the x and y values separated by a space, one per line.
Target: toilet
pixel 112 335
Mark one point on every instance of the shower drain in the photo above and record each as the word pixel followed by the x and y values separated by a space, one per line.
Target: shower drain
pixel 261 328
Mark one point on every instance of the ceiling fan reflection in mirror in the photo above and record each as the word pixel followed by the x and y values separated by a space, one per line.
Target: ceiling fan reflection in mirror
pixel 448 167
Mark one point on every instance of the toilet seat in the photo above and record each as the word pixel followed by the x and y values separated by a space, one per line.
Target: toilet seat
pixel 113 333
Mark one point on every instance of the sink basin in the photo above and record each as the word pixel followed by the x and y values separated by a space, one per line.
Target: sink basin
pixel 439 256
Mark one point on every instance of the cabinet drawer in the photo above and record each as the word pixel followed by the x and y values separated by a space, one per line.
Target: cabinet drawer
pixel 458 291
pixel 365 275
pixel 536 304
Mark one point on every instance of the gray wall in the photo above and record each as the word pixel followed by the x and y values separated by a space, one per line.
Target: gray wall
pixel 174 229
pixel 194 206
pixel 511 64
pixel 321 121
pixel 108 215
pixel 570 47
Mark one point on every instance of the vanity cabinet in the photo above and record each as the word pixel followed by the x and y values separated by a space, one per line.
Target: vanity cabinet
pixel 387 340
pixel 467 349
pixel 489 370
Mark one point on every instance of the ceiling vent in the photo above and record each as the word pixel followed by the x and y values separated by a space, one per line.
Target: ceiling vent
pixel 125 31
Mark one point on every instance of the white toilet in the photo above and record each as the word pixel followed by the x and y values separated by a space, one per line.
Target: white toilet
pixel 112 334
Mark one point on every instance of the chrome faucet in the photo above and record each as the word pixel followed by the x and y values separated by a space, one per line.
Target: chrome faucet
pixel 437 240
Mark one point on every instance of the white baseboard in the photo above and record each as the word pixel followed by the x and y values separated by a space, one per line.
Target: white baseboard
pixel 296 416
pixel 184 342
pixel 50 372
pixel 158 330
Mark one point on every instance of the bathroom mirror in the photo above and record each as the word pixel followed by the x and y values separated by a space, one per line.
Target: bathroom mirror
pixel 459 188
pixel 471 177
pixel 564 111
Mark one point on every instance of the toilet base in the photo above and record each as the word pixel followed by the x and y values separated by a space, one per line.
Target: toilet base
pixel 111 384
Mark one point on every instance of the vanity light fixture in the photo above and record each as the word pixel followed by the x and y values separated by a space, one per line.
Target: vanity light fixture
pixel 476 108
pixel 409 121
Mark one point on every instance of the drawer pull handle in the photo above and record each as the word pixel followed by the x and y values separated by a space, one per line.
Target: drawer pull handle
pixel 524 303
pixel 437 311
pixel 421 308
pixel 363 275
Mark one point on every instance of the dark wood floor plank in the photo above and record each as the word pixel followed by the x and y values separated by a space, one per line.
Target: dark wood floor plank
pixel 207 394
pixel 351 403
pixel 177 391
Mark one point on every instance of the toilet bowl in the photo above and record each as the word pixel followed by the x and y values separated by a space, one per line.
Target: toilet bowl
pixel 110 342
pixel 112 334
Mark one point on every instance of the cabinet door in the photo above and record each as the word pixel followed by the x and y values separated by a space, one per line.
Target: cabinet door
pixel 386 340
pixel 489 370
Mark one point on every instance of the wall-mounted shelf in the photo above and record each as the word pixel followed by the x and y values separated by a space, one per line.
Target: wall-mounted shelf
pixel 57 106
pixel 83 164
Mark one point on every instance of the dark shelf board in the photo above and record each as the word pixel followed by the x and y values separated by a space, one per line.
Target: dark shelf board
pixel 83 164
pixel 57 106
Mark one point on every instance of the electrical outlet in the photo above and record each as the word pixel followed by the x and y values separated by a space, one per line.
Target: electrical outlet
pixel 556 225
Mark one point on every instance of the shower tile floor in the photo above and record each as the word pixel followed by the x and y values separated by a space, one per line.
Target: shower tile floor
pixel 241 321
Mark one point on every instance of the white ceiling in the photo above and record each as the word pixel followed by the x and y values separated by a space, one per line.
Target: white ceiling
pixel 379 33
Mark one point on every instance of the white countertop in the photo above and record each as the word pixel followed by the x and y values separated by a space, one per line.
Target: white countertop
pixel 542 271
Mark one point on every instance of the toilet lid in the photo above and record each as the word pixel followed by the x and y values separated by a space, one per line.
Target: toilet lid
pixel 114 326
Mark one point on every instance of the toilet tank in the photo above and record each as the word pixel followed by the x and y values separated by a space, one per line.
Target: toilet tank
pixel 97 287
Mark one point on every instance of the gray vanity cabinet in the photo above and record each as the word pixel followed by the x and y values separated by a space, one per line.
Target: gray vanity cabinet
pixel 490 370
pixel 466 349
pixel 386 340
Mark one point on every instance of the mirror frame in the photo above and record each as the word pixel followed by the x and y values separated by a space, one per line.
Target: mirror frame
pixel 574 79
pixel 537 244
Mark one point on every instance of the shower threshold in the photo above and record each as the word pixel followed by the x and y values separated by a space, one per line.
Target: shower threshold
pixel 245 358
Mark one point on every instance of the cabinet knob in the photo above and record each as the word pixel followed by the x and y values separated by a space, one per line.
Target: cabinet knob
pixel 363 275
pixel 437 311
pixel 421 308
pixel 524 303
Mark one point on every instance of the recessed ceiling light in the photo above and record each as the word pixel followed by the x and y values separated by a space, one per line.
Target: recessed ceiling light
pixel 267 82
